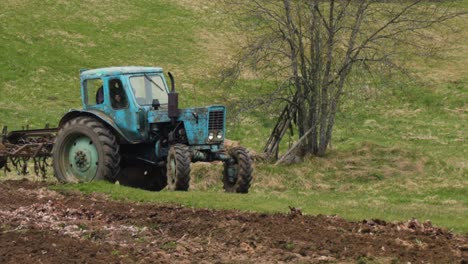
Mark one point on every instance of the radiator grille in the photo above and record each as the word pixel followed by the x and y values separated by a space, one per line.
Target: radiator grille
pixel 216 120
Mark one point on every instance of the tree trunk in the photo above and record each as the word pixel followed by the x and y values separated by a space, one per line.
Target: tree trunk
pixel 283 123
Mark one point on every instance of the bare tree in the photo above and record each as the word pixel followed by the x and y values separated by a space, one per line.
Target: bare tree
pixel 313 45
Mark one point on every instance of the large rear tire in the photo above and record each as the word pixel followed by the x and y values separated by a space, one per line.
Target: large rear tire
pixel 151 178
pixel 178 168
pixel 85 150
pixel 237 176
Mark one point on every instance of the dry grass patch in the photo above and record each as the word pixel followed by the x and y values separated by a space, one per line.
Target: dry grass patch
pixel 68 38
pixel 197 5
pixel 347 170
pixel 371 161
pixel 205 175
pixel 99 11
pixel 217 47
pixel 269 181
pixel 403 111
pixel 445 51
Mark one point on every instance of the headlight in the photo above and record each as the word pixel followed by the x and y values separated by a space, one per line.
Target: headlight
pixel 210 136
pixel 219 135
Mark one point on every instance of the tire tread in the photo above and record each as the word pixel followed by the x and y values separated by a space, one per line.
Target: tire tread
pixel 106 137
pixel 244 171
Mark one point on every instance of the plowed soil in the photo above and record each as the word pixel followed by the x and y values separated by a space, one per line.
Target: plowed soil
pixel 38 225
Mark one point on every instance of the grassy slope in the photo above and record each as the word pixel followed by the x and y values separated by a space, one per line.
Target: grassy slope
pixel 399 152
pixel 45 43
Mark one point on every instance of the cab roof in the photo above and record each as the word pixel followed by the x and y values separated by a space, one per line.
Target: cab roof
pixel 109 71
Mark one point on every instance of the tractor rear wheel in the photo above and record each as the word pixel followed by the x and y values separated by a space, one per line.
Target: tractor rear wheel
pixel 237 175
pixel 178 168
pixel 85 150
pixel 151 178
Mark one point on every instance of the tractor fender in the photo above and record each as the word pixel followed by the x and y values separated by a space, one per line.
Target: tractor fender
pixel 105 119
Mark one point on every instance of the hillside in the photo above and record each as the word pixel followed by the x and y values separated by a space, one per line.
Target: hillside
pixel 399 151
pixel 45 43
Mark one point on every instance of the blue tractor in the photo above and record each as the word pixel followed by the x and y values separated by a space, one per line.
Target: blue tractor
pixel 131 130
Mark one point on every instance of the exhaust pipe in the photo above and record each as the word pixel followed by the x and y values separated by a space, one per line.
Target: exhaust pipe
pixel 173 101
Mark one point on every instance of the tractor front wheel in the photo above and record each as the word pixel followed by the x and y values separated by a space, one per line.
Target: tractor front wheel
pixel 237 174
pixel 178 168
pixel 85 150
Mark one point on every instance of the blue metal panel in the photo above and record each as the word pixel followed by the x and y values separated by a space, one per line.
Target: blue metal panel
pixel 99 115
pixel 196 128
pixel 195 122
pixel 130 121
pixel 128 118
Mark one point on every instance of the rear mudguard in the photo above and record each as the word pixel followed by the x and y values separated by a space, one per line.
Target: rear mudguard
pixel 106 120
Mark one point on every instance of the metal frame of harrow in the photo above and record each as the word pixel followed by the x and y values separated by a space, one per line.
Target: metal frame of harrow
pixel 20 146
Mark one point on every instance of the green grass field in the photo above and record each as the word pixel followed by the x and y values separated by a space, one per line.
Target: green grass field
pixel 400 148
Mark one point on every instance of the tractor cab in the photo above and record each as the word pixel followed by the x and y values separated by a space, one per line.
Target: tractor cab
pixel 122 96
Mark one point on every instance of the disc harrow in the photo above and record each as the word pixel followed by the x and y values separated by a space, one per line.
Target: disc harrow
pixel 19 148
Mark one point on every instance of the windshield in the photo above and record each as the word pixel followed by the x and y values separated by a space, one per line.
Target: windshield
pixel 149 87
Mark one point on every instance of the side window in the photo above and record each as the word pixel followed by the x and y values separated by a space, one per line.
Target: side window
pixel 94 91
pixel 117 94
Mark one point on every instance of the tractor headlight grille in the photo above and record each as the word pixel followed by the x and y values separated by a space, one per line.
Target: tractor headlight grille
pixel 216 120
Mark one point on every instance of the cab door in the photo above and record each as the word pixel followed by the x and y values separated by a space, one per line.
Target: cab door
pixel 122 110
